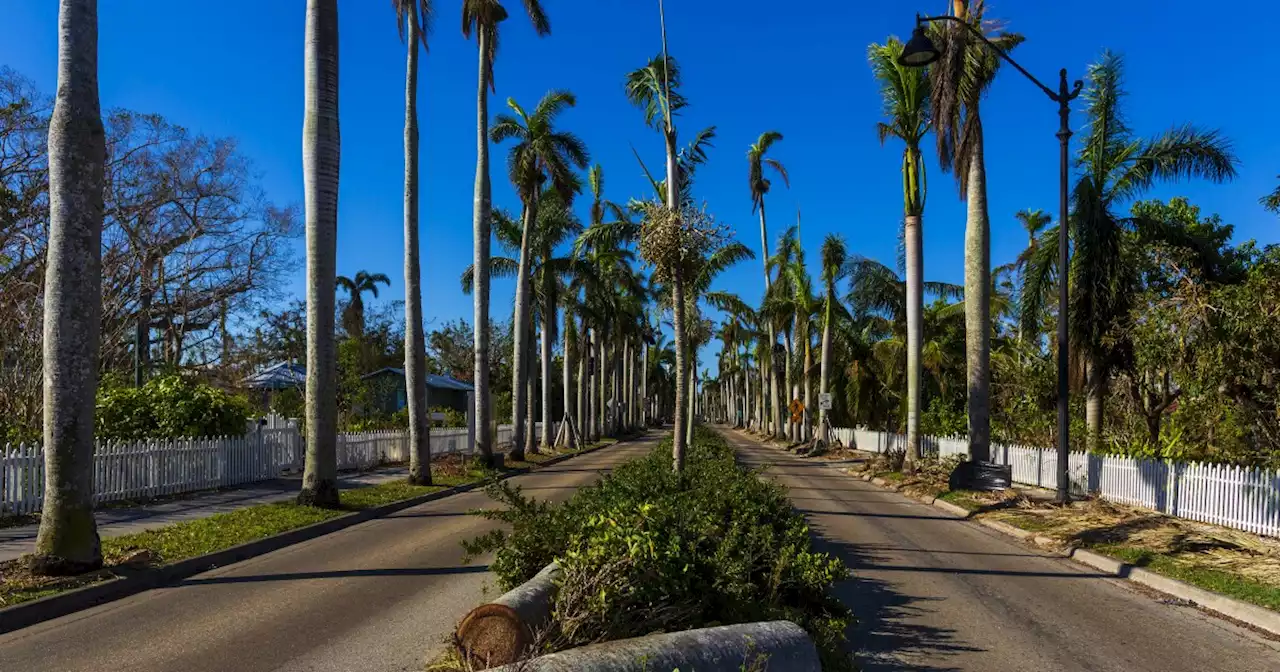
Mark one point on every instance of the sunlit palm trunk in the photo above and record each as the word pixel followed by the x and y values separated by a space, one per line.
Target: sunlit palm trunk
pixel 824 375
pixel 678 326
pixel 644 383
pixel 321 146
pixel 415 354
pixel 521 333
pixel 530 438
pixel 693 394
pixel 775 405
pixel 977 306
pixel 1095 404
pixel 68 541
pixel 480 242
pixel 807 427
pixel 600 381
pixel 570 414
pixel 913 241
pixel 548 328
pixel 790 389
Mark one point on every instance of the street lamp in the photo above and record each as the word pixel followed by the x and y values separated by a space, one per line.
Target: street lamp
pixel 920 51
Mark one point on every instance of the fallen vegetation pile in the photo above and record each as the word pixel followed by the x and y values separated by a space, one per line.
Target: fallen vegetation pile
pixel 647 550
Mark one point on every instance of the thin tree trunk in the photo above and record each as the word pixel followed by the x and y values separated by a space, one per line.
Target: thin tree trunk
pixel 913 241
pixel 977 307
pixel 677 324
pixel 521 332
pixel 570 413
pixel 321 147
pixel 693 395
pixel 825 374
pixel 601 380
pixel 142 335
pixel 415 352
pixel 68 541
pixel 480 268
pixel 530 440
pixel 644 383
pixel 791 392
pixel 548 332
pixel 806 428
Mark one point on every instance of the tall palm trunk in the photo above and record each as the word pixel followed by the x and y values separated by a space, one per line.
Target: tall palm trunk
pixel 977 305
pixel 415 352
pixel 824 376
pixel 570 414
pixel 693 394
pixel 480 267
pixel 321 147
pixel 775 404
pixel 806 431
pixel 790 389
pixel 601 380
pixel 548 329
pixel 913 241
pixel 521 331
pixel 529 438
pixel 1094 405
pixel 678 326
pixel 644 383
pixel 68 541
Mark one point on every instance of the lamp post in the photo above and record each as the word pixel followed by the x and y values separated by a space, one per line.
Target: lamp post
pixel 919 52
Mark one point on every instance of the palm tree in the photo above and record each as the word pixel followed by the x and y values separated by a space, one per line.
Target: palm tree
pixel 759 185
pixel 413 17
pixel 959 79
pixel 353 315
pixel 904 92
pixel 1116 167
pixel 541 154
pixel 1034 222
pixel 835 267
pixel 321 148
pixel 655 90
pixel 482 17
pixel 1271 201
pixel 68 542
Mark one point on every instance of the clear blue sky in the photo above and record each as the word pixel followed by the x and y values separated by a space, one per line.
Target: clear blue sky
pixel 234 68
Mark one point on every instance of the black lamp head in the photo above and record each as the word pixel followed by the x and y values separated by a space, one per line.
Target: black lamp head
pixel 919 50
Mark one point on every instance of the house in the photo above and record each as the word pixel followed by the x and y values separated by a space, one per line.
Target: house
pixel 389 391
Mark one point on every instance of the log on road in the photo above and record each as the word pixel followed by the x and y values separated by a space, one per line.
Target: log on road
pixel 771 645
pixel 501 631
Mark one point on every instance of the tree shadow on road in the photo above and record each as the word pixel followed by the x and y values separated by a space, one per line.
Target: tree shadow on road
pixel 883 639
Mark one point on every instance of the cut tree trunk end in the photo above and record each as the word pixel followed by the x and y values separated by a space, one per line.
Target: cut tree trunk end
pixel 772 645
pixel 502 631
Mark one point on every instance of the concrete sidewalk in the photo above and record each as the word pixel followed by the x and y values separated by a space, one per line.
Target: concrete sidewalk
pixel 115 522
pixel 935 592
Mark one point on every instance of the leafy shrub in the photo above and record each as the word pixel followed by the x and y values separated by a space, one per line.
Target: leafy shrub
pixel 646 550
pixel 452 417
pixel 943 419
pixel 169 406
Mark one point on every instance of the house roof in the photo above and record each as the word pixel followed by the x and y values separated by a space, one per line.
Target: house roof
pixel 278 377
pixel 433 380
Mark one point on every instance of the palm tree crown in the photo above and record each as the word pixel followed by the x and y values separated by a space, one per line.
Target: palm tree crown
pixel 541 151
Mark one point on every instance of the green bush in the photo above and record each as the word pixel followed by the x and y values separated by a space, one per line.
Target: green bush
pixel 452 417
pixel 648 550
pixel 169 406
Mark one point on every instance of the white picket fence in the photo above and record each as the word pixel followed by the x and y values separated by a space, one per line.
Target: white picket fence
pixel 1232 496
pixel 149 468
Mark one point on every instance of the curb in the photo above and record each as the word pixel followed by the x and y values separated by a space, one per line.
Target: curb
pixel 1258 617
pixel 132 582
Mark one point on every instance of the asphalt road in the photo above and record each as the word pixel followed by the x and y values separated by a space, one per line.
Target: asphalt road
pixel 932 592
pixel 380 596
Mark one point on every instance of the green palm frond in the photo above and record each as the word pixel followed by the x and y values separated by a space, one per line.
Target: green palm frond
pixel 499 267
pixel 1272 201
pixel 420 11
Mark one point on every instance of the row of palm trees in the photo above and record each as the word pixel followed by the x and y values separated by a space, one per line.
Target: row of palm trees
pixel 1114 167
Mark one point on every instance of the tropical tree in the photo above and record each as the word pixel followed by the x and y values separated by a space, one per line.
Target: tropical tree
pixel 541 154
pixel 68 542
pixel 904 93
pixel 321 148
pixel 835 267
pixel 1271 201
pixel 482 18
pixel 1034 222
pixel 959 79
pixel 413 18
pixel 353 314
pixel 1117 167
pixel 759 186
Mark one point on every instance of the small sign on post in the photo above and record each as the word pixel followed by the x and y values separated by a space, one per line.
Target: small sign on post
pixel 824 401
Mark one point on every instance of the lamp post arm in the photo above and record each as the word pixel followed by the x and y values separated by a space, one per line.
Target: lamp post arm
pixel 1001 52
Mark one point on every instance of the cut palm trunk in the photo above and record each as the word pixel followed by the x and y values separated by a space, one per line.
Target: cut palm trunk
pixel 502 631
pixel 772 645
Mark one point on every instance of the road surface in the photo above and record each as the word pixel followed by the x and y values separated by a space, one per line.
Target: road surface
pixel 932 592
pixel 379 596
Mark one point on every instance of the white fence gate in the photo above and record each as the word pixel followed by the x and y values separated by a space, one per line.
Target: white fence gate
pixel 1232 496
